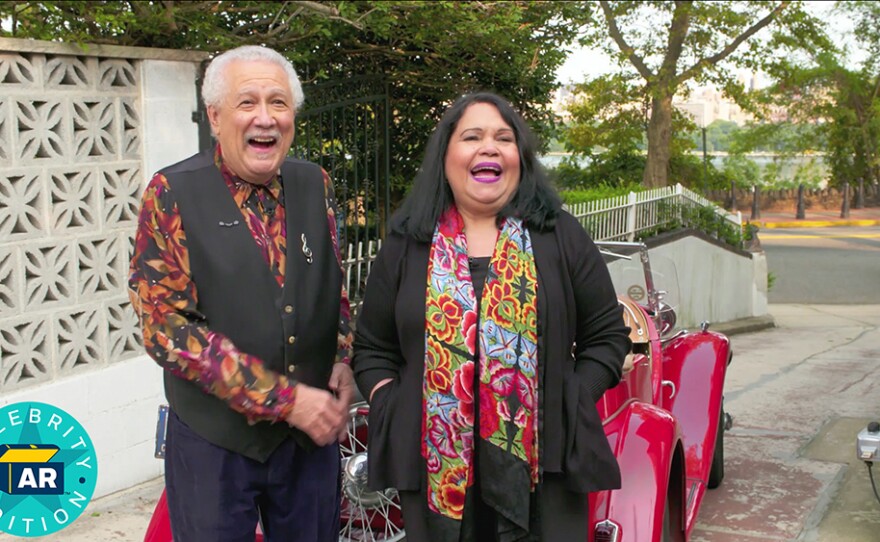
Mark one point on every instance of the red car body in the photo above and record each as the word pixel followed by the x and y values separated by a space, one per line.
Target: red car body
pixel 665 422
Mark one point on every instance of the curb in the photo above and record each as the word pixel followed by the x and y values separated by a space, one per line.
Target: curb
pixel 745 325
pixel 815 223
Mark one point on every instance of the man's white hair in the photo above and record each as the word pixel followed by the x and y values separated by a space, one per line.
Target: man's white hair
pixel 214 85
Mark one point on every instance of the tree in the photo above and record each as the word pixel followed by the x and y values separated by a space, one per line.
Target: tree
pixel 204 25
pixel 429 52
pixel 829 103
pixel 854 130
pixel 690 41
pixel 432 52
pixel 608 123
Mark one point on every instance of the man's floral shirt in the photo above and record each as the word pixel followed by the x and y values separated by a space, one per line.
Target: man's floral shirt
pixel 166 299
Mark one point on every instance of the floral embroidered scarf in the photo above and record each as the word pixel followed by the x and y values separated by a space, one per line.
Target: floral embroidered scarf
pixel 508 383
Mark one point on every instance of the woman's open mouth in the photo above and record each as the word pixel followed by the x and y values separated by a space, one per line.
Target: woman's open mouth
pixel 486 172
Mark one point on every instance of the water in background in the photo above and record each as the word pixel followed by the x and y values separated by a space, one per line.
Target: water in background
pixel 811 166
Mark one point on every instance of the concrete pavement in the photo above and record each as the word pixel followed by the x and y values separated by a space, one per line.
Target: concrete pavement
pixel 799 394
pixel 819 218
pixel 120 517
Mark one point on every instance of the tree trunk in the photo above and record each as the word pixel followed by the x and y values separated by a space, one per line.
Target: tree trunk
pixel 659 138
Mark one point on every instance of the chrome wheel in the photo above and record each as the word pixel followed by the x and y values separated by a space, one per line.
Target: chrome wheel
pixel 367 516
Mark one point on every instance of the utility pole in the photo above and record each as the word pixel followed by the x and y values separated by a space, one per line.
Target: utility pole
pixel 705 160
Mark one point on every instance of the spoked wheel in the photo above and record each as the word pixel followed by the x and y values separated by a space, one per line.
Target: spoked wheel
pixel 367 516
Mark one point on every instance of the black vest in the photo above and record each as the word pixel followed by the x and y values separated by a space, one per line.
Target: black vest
pixel 293 329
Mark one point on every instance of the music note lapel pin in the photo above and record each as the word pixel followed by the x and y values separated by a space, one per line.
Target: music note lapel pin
pixel 306 250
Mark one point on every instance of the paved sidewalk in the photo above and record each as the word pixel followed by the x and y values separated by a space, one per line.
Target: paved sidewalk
pixel 120 517
pixel 799 394
pixel 820 218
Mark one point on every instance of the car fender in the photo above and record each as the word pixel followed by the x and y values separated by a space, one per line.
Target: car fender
pixel 159 529
pixel 645 439
pixel 696 363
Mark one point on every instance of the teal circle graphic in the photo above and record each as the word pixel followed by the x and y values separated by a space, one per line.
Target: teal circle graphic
pixel 48 469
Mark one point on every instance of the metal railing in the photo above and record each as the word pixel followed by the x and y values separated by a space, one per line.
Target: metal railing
pixel 357 260
pixel 625 217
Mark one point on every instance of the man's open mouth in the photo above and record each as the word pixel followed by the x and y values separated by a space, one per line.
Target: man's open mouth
pixel 263 142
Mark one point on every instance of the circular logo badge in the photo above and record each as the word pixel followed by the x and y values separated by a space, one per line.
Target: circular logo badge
pixel 636 292
pixel 48 469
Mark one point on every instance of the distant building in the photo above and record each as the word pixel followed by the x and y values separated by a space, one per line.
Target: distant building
pixel 562 98
pixel 705 105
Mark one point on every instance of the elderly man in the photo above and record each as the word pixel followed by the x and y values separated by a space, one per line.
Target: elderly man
pixel 237 282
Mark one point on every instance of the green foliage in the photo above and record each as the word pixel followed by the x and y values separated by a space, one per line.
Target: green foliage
pixel 429 52
pixel 750 231
pixel 702 218
pixel 690 171
pixel 839 99
pixel 208 26
pixel 568 175
pixel 600 192
pixel 607 169
pixel 741 170
pixel 625 170
pixel 790 148
pixel 783 138
pixel 717 136
pixel 609 113
pixel 683 41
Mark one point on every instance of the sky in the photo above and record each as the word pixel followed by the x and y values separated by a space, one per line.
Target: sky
pixel 585 63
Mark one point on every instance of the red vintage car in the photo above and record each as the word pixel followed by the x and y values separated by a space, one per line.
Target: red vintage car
pixel 665 421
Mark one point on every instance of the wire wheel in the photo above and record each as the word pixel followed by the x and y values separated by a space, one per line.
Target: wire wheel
pixel 366 516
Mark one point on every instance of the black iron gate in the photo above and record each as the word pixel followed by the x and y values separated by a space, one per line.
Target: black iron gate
pixel 344 126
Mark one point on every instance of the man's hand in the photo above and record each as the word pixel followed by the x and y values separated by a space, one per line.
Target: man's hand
pixel 342 384
pixel 318 413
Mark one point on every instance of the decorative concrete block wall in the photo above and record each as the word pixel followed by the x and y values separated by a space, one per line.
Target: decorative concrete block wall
pixel 81 131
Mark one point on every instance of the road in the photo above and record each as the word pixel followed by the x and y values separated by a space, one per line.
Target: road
pixel 839 265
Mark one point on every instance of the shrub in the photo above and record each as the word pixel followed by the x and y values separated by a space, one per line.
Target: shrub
pixel 619 169
pixel 698 217
pixel 602 191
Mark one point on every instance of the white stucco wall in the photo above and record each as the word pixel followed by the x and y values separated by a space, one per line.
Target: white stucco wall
pixel 169 99
pixel 715 284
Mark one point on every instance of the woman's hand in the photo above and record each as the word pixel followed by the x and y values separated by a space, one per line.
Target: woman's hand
pixel 381 383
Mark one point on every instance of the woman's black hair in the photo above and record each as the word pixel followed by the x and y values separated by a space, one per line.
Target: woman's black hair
pixel 535 201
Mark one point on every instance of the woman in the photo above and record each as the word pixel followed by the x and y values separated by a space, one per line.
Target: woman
pixel 489 330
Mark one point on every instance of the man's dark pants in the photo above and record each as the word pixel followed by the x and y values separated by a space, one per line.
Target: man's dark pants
pixel 219 496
